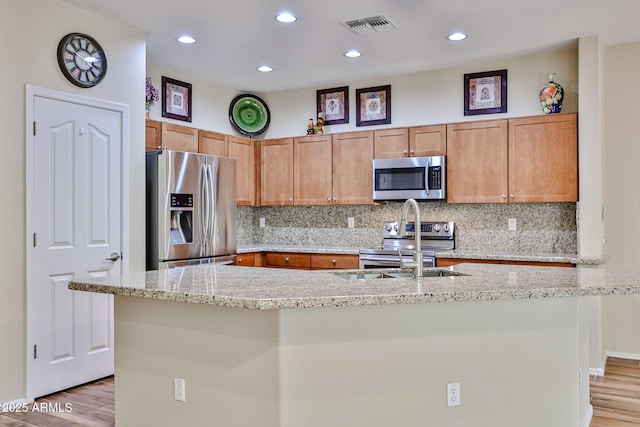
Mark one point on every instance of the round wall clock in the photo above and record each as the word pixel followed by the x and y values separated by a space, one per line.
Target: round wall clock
pixel 82 60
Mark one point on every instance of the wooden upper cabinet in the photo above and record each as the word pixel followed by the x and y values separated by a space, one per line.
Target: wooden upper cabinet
pixel 391 143
pixel 276 170
pixel 312 181
pixel 153 135
pixel 543 159
pixel 477 162
pixel 247 155
pixel 214 143
pixel 428 141
pixel 352 168
pixel 178 137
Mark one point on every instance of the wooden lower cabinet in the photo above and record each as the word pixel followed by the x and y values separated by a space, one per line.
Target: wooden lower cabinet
pixel 297 260
pixel 250 259
pixel 333 261
pixel 446 262
pixel 288 260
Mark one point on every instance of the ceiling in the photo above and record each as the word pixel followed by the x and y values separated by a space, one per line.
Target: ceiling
pixel 235 37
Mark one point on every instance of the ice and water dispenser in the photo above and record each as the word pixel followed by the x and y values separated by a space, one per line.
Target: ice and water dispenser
pixel 181 219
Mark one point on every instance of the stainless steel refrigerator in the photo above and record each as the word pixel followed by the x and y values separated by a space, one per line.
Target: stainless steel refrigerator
pixel 191 209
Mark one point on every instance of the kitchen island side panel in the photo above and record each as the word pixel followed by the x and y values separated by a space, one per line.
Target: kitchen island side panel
pixel 517 363
pixel 227 357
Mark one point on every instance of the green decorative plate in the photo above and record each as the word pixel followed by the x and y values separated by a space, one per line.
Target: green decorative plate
pixel 249 114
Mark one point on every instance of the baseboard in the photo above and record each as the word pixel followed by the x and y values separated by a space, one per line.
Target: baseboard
pixel 631 356
pixel 596 372
pixel 588 416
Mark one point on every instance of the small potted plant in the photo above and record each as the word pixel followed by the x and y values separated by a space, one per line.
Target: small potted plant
pixel 151 97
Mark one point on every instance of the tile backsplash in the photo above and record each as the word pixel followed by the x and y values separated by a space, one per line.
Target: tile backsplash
pixel 540 227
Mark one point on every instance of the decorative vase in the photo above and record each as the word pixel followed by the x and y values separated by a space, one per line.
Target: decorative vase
pixel 147 110
pixel 551 96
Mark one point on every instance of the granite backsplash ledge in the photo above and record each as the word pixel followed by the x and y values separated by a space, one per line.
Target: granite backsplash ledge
pixel 541 227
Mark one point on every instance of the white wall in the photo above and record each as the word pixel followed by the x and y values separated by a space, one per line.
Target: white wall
pixel 422 98
pixel 31 30
pixel 622 193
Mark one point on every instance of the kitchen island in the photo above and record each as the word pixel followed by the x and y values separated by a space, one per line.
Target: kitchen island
pixel 272 347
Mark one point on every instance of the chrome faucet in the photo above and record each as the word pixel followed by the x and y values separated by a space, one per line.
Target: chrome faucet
pixel 417 262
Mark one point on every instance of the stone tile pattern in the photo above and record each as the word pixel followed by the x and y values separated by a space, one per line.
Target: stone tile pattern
pixel 267 288
pixel 541 227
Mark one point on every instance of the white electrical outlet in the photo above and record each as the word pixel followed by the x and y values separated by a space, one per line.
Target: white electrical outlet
pixel 179 389
pixel 261 222
pixel 512 224
pixel 351 222
pixel 453 394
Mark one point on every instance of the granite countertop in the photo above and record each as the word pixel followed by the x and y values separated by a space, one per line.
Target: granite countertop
pixel 268 288
pixel 456 253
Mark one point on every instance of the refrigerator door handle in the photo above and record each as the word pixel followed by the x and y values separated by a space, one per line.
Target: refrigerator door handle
pixel 204 211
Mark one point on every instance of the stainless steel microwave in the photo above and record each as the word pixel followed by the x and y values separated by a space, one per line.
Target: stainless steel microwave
pixel 420 178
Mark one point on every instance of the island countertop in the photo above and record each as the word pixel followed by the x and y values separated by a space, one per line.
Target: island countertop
pixel 269 288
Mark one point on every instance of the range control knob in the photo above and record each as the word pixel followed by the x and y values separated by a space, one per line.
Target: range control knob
pixel 436 227
pixel 396 227
pixel 388 227
pixel 446 228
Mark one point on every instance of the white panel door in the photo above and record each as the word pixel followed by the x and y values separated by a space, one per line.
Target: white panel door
pixel 76 223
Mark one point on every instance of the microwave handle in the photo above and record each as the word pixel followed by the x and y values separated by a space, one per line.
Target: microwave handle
pixel 426 175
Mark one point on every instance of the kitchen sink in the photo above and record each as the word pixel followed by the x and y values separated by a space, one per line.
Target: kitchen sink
pixel 397 274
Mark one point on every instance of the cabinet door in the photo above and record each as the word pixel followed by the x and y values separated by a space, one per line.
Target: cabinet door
pixel 312 170
pixel 477 162
pixel 244 151
pixel 178 137
pixel 153 135
pixel 391 143
pixel 276 168
pixel 352 168
pixel 428 141
pixel 543 159
pixel 213 143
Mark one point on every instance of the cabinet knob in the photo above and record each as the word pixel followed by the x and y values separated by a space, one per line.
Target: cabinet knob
pixel 333 261
pixel 239 260
pixel 504 196
pixel 404 151
pixel 290 200
pixel 512 196
pixel 286 259
pixel 412 152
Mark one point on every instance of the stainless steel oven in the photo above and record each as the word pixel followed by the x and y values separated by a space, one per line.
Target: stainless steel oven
pixel 435 236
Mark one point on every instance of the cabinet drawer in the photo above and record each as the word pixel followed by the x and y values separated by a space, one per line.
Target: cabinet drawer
pixel 329 261
pixel 288 260
pixel 246 260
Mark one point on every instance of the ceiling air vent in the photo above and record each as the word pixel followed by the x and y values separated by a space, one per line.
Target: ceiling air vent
pixel 371 25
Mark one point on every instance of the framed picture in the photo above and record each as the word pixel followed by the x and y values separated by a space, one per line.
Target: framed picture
pixel 334 105
pixel 374 106
pixel 176 99
pixel 485 93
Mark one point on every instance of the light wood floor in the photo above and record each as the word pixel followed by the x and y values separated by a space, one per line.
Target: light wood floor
pixel 91 405
pixel 615 399
pixel 616 396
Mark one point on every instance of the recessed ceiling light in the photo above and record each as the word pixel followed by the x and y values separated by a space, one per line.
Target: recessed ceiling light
pixel 264 69
pixel 352 53
pixel 186 39
pixel 455 37
pixel 285 17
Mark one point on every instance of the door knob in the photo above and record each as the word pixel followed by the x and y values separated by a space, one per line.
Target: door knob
pixel 113 257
